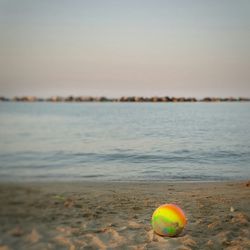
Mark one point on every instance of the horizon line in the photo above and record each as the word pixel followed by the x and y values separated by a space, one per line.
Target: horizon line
pixel 72 98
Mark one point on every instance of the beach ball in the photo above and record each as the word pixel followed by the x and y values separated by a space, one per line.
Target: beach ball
pixel 168 220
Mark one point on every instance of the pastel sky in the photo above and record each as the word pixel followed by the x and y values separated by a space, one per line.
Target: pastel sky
pixel 131 47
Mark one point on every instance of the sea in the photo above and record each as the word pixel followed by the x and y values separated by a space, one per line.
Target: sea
pixel 124 141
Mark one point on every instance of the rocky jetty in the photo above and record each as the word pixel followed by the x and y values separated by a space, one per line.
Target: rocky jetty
pixel 121 99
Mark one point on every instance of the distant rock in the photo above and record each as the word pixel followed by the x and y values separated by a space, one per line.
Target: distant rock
pixel 4 99
pixel 122 99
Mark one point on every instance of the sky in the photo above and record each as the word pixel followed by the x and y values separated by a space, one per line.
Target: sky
pixel 114 48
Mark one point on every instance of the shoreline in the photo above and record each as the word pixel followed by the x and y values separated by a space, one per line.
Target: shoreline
pixel 91 181
pixel 117 215
pixel 41 183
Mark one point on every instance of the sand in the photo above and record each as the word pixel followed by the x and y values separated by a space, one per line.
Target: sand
pixel 117 215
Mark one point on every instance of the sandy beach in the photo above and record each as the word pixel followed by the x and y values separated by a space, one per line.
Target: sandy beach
pixel 117 215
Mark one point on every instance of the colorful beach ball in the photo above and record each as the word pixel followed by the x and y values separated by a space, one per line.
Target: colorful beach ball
pixel 168 220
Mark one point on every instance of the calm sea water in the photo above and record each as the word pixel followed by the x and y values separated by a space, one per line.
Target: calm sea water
pixel 124 141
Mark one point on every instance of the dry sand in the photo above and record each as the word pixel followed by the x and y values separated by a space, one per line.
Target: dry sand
pixel 117 215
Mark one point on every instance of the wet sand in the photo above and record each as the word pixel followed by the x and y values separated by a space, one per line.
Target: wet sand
pixel 117 215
